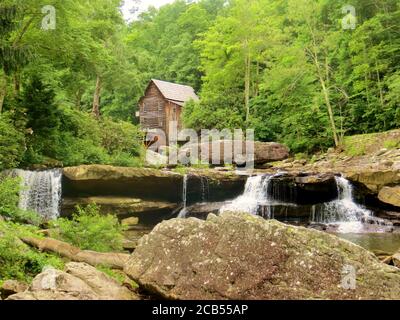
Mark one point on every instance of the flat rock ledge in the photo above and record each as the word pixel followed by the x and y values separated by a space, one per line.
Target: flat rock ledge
pixel 240 256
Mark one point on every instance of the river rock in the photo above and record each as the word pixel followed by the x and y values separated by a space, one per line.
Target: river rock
pixel 202 210
pixel 79 281
pixel 10 287
pixel 239 256
pixel 390 196
pixel 132 221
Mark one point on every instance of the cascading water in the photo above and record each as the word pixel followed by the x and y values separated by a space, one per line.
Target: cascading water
pixel 255 194
pixel 344 211
pixel 183 212
pixel 41 192
pixel 261 198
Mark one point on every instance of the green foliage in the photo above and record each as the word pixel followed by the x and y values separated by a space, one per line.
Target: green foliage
pixel 12 143
pixel 288 62
pixel 391 144
pixel 355 150
pixel 17 260
pixel 302 64
pixel 9 197
pixel 90 230
pixel 73 137
pixel 118 275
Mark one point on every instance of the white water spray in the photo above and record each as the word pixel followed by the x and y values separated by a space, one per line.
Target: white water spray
pixel 343 211
pixel 41 192
pixel 255 194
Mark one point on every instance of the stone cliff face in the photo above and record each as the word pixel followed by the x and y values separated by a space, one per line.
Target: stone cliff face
pixel 142 191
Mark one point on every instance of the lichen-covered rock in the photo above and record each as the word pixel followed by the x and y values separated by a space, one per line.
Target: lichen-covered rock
pixel 79 281
pixel 240 256
pixel 390 196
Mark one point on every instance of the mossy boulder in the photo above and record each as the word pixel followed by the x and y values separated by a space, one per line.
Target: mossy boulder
pixel 240 256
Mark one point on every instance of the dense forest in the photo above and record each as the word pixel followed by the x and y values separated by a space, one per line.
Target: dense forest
pixel 297 71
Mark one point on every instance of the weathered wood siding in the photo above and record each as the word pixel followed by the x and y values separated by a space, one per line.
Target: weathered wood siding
pixel 173 113
pixel 152 109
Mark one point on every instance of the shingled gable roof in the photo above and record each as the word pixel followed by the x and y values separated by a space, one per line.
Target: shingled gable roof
pixel 176 93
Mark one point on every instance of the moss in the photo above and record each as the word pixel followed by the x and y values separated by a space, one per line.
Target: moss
pixel 118 275
pixel 359 145
pixel 391 144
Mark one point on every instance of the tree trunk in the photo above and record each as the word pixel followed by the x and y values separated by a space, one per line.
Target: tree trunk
pixel 78 99
pixel 17 84
pixel 382 99
pixel 3 91
pixel 325 90
pixel 247 85
pixel 96 98
pixel 330 111
pixel 112 259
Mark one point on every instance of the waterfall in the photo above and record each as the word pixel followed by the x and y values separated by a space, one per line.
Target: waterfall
pixel 258 198
pixel 344 211
pixel 41 192
pixel 183 212
pixel 255 194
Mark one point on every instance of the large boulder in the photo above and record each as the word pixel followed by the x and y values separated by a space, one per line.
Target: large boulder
pixel 373 179
pixel 79 281
pixel 263 152
pixel 390 196
pixel 240 256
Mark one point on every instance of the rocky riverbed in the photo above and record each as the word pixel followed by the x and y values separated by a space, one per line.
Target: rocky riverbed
pixel 230 256
pixel 215 253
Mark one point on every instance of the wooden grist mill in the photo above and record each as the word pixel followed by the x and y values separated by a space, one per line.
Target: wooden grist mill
pixel 161 104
